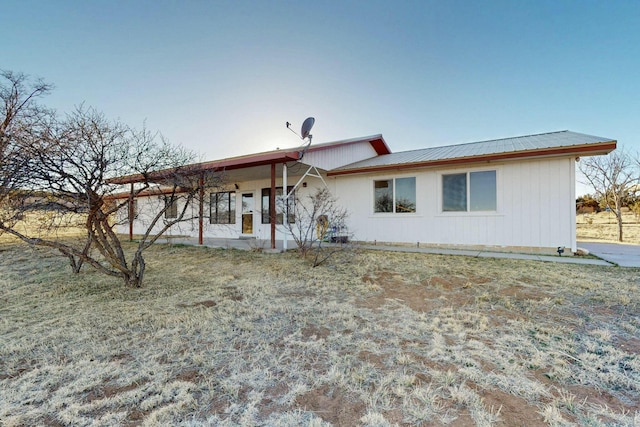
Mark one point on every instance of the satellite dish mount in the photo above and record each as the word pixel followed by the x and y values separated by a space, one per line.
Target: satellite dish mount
pixel 304 133
pixel 305 130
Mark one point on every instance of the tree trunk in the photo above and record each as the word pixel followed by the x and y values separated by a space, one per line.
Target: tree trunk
pixel 135 275
pixel 77 265
pixel 618 213
pixel 619 217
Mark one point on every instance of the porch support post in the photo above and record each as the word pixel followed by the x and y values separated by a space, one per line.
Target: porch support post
pixel 132 214
pixel 201 209
pixel 285 214
pixel 272 206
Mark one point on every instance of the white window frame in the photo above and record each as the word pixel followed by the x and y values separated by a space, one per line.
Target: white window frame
pixel 393 212
pixel 468 173
pixel 214 218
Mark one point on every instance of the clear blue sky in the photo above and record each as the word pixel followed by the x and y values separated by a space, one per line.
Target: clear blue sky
pixel 222 78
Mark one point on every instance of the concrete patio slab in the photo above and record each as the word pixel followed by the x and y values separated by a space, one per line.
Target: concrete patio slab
pixel 616 255
pixel 624 255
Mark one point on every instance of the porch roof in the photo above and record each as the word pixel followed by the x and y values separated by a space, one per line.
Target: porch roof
pixel 231 163
pixel 253 164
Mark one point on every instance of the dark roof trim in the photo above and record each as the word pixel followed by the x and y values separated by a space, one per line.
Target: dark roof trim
pixel 267 158
pixel 380 146
pixel 247 161
pixel 578 150
pixel 146 193
pixel 259 159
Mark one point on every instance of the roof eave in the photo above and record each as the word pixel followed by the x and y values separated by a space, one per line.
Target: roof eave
pixel 578 150
pixel 147 193
pixel 377 142
pixel 214 166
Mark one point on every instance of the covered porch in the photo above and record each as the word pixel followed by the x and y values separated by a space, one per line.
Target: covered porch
pixel 255 181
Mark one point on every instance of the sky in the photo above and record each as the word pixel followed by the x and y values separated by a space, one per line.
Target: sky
pixel 223 77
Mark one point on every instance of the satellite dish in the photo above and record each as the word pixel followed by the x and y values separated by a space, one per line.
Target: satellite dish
pixel 306 126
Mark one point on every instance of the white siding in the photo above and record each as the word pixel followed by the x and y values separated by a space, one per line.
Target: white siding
pixel 260 230
pixel 146 210
pixel 535 208
pixel 334 157
pixel 572 202
pixel 148 207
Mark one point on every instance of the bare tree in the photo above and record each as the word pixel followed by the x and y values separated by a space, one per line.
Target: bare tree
pixel 72 181
pixel 21 117
pixel 611 177
pixel 316 220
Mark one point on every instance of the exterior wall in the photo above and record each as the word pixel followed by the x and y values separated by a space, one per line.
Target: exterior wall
pixel 260 230
pixel 321 158
pixel 535 208
pixel 145 211
pixel 328 159
pixel 147 208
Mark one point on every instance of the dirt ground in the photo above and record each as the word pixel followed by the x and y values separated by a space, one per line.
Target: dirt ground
pixel 514 410
pixel 232 338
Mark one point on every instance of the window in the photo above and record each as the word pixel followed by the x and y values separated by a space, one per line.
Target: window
pixel 405 200
pixel 383 196
pixel 454 192
pixel 171 207
pixel 473 191
pixel 395 195
pixel 223 208
pixel 483 191
pixel 266 192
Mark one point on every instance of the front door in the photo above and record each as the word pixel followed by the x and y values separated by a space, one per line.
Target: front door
pixel 247 213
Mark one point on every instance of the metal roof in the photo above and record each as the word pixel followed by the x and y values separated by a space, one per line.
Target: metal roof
pixel 544 144
pixel 254 160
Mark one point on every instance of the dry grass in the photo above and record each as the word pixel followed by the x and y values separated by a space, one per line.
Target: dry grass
pixel 50 225
pixel 244 338
pixel 603 227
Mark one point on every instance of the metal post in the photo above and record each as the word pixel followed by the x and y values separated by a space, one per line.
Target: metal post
pixel 132 214
pixel 285 213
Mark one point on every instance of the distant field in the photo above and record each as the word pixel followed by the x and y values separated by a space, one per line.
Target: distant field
pixel 603 227
pixel 45 224
pixel 231 338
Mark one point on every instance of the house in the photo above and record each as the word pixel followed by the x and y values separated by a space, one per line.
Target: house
pixel 515 194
